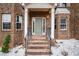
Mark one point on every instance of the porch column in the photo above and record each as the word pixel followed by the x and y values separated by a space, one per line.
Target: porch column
pixel 52 23
pixel 26 23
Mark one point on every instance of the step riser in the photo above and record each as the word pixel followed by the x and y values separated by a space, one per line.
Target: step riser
pixel 38 37
pixel 38 53
pixel 44 43
pixel 38 43
pixel 38 50
pixel 38 47
pixel 38 40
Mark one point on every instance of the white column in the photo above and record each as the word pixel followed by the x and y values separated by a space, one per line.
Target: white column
pixel 52 23
pixel 26 22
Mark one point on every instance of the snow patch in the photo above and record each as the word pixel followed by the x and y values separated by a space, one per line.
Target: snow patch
pixel 68 46
pixel 17 51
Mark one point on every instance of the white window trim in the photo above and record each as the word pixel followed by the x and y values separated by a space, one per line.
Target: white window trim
pixel 5 22
pixel 66 25
pixel 19 22
pixel 33 20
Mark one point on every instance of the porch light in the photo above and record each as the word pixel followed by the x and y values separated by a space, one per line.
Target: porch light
pixel 47 16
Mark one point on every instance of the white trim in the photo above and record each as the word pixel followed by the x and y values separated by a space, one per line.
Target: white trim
pixel 52 23
pixel 26 22
pixel 33 19
pixel 39 5
pixel 62 10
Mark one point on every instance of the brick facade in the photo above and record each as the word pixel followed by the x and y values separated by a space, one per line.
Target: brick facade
pixel 75 19
pixel 62 34
pixel 17 37
pixel 13 9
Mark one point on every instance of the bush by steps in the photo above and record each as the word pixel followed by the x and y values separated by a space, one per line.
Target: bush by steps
pixel 5 47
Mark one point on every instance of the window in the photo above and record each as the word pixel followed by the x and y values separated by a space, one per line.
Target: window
pixel 33 27
pixel 6 21
pixel 19 22
pixel 55 23
pixel 63 24
pixel 64 4
pixel 44 24
pixel 61 4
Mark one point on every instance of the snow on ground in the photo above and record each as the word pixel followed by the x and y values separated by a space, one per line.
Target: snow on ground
pixel 66 48
pixel 17 51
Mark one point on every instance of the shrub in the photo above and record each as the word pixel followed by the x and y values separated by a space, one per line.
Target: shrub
pixel 0 49
pixel 5 47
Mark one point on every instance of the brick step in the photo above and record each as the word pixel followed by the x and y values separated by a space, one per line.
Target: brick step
pixel 38 53
pixel 40 47
pixel 38 42
pixel 38 37
pixel 38 50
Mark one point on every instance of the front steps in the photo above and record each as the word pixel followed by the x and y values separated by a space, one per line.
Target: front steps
pixel 38 46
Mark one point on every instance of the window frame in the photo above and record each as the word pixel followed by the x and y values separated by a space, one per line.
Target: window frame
pixel 19 22
pixel 61 24
pixel 62 4
pixel 5 22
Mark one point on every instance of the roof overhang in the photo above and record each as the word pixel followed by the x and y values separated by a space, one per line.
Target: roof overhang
pixel 39 5
pixel 62 10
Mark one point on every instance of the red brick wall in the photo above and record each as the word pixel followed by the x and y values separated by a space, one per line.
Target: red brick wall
pixel 62 34
pixel 75 19
pixel 4 8
pixel 18 9
pixel 13 9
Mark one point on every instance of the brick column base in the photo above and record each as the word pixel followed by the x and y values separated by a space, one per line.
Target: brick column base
pixel 53 42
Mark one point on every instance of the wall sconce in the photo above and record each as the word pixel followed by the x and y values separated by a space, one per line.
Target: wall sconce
pixel 49 11
pixel 47 16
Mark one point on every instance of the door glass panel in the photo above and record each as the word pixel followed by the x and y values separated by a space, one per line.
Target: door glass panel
pixel 43 25
pixel 38 26
pixel 33 26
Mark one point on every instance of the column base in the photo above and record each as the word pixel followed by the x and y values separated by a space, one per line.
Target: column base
pixel 53 42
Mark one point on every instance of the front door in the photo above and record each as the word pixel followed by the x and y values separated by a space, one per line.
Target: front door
pixel 38 26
